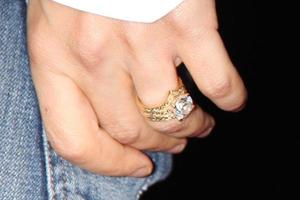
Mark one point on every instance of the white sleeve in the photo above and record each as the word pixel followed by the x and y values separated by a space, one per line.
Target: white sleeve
pixel 131 10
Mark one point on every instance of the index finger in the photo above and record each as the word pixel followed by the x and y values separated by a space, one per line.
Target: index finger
pixel 73 131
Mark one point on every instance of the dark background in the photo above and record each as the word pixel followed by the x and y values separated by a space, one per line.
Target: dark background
pixel 252 154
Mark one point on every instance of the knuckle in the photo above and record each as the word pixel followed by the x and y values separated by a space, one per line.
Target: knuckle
pixel 89 47
pixel 219 89
pixel 89 53
pixel 68 147
pixel 172 127
pixel 196 29
pixel 126 134
pixel 37 41
pixel 74 153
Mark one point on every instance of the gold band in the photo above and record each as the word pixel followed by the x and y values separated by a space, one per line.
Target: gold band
pixel 178 105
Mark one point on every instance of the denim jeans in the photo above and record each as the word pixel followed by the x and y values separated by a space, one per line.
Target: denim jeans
pixel 29 168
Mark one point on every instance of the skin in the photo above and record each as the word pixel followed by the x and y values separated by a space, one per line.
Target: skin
pixel 88 70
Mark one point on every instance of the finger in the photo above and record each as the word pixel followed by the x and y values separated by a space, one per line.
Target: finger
pixel 154 76
pixel 198 124
pixel 209 64
pixel 73 131
pixel 114 100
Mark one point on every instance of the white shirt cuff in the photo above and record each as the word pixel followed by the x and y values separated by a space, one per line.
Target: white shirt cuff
pixel 146 11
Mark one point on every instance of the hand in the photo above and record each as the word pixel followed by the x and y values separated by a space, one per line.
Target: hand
pixel 87 70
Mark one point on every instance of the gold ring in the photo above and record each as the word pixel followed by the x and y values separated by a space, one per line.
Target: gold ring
pixel 178 105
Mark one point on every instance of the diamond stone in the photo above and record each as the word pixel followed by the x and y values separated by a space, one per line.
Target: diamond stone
pixel 183 106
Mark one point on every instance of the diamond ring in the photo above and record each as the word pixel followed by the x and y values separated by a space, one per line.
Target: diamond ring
pixel 179 105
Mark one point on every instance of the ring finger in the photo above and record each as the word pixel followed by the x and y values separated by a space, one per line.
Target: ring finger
pixel 113 99
pixel 154 76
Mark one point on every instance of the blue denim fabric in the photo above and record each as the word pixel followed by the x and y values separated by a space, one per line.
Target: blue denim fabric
pixel 29 168
pixel 22 169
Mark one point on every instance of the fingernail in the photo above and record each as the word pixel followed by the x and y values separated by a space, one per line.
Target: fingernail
pixel 179 148
pixel 205 133
pixel 141 172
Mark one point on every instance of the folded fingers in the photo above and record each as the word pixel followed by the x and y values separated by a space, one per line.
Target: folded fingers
pixel 114 100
